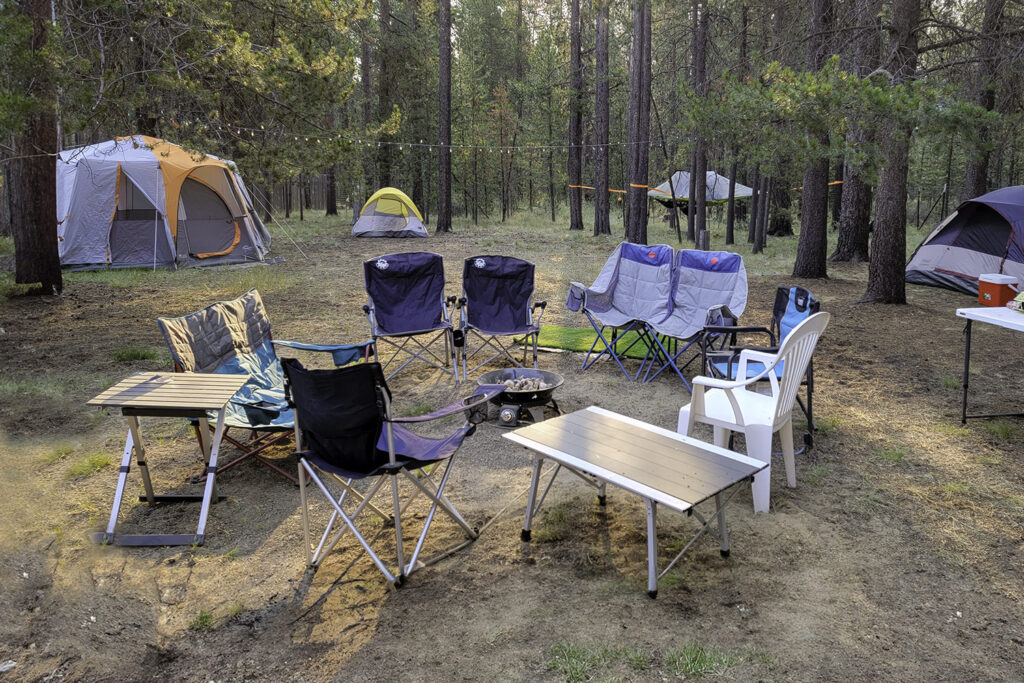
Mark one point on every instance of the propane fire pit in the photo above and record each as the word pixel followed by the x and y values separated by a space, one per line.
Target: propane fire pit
pixel 529 392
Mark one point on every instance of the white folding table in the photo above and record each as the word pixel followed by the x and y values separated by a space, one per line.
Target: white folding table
pixel 1000 316
pixel 170 394
pixel 656 464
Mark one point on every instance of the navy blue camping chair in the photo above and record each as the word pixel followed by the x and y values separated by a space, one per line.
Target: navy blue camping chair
pixel 346 431
pixel 497 301
pixel 406 302
pixel 233 337
pixel 792 306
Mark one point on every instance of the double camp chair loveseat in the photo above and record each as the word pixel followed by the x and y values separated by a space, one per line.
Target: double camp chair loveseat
pixel 666 299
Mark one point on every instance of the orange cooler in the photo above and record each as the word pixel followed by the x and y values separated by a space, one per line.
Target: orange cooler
pixel 995 289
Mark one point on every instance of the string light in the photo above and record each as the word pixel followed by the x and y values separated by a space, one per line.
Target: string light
pixel 510 149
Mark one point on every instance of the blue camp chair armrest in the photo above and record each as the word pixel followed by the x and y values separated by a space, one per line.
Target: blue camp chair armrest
pixel 482 394
pixel 343 353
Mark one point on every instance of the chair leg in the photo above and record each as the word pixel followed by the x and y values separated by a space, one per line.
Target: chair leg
pixel 398 529
pixel 759 447
pixel 786 437
pixel 722 437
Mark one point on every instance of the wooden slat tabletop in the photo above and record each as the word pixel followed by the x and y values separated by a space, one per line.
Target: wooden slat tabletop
pixel 174 390
pixel 682 468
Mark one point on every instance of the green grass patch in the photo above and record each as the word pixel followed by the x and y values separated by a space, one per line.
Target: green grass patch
pixel 236 609
pixel 128 354
pixel 574 662
pixel 203 621
pixel 1001 429
pixel 955 489
pixel 580 339
pixel 893 455
pixel 816 474
pixel 94 462
pixel 418 409
pixel 826 426
pixel 50 387
pixel 951 381
pixel 59 452
pixel 556 524
pixel 953 430
pixel 696 660
pixel 6 245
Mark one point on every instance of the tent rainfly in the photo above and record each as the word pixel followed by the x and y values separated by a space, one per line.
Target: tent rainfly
pixel 984 235
pixel 140 201
pixel 389 213
pixel 716 188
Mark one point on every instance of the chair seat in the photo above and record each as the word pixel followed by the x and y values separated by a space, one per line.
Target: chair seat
pixel 529 329
pixel 724 369
pixel 412 451
pixel 757 409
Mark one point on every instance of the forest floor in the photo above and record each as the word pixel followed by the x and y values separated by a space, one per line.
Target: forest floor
pixel 898 555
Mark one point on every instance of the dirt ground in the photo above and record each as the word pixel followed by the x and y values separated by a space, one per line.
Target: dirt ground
pixel 898 556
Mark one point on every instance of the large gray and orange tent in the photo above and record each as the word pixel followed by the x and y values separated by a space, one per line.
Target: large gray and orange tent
pixel 389 213
pixel 984 235
pixel 140 201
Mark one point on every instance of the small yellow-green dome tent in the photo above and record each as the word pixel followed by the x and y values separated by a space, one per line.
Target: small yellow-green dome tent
pixel 389 213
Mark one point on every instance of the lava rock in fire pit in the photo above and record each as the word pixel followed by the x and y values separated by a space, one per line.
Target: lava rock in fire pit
pixel 525 384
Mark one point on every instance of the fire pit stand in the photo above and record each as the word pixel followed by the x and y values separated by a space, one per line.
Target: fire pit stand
pixel 523 407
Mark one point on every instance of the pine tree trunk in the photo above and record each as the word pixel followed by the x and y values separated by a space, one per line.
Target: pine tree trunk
pixel 385 91
pixel 755 200
pixel 976 180
pixel 699 77
pixel 691 192
pixel 444 126
pixel 366 76
pixel 889 243
pixel 639 122
pixel 811 254
pixel 602 209
pixel 575 166
pixel 730 213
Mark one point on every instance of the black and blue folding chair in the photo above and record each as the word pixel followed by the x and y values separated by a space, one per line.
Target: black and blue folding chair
pixel 345 431
pixel 634 286
pixel 233 337
pixel 792 306
pixel 407 302
pixel 497 301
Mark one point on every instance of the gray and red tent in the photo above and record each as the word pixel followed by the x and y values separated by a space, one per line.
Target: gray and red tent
pixel 984 235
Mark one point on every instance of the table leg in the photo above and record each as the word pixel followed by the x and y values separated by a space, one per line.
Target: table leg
pixel 723 529
pixel 652 548
pixel 967 371
pixel 211 471
pixel 204 445
pixel 140 458
pixel 122 478
pixel 532 497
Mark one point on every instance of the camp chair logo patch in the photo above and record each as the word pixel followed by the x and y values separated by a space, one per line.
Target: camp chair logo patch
pixel 479 263
pixel 652 254
pixel 382 264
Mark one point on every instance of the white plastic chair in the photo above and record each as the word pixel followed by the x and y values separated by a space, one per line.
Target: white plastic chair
pixel 734 406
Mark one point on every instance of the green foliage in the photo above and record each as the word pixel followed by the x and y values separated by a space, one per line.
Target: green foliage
pixel 203 622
